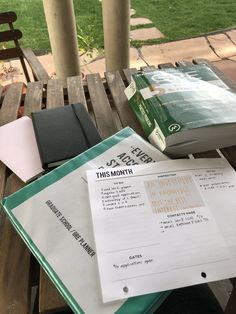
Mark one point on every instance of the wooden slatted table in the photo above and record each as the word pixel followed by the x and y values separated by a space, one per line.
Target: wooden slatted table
pixel 108 106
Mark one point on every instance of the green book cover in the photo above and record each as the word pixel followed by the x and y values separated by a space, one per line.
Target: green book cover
pixel 171 102
pixel 52 215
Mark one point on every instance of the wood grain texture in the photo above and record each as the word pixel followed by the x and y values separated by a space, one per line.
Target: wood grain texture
pixel 101 106
pixel 37 68
pixel 11 103
pixel 33 98
pixel 2 180
pixel 8 113
pixel 125 113
pixel 128 73
pixel 50 300
pixel 1 90
pixel 14 264
pixel 76 91
pixel 148 68
pixel 166 65
pixel 183 63
pixel 49 296
pixel 55 96
pixel 231 305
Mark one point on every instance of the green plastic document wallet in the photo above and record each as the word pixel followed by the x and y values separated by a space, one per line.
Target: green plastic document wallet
pixel 53 217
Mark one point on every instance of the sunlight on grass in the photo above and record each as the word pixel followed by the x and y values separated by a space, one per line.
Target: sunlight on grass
pixel 176 19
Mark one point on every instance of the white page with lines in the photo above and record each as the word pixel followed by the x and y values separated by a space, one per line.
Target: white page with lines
pixel 163 226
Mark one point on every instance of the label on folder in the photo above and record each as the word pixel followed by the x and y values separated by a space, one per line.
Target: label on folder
pixel 52 215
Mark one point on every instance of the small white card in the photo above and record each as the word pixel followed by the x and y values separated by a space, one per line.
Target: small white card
pixel 162 226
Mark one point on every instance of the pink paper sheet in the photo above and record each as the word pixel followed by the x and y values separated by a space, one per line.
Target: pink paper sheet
pixel 19 150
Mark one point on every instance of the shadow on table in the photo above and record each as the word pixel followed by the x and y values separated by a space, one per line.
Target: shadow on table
pixel 197 299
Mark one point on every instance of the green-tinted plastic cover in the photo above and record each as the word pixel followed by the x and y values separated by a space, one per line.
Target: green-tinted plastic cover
pixel 184 98
pixel 135 305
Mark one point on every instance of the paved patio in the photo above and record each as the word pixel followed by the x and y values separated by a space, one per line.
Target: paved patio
pixel 218 48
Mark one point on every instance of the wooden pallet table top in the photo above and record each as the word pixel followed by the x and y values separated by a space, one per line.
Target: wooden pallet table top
pixel 108 107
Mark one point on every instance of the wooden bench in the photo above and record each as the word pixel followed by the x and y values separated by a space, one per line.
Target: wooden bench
pixel 12 35
pixel 108 106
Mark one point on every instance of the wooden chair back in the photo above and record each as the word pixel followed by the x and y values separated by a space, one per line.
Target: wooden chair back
pixel 11 35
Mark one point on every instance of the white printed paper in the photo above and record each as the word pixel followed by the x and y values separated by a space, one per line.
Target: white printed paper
pixel 163 226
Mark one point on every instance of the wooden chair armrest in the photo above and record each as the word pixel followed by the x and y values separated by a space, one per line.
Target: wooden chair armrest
pixel 38 70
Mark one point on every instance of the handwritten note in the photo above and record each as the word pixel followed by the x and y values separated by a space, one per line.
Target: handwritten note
pixel 159 226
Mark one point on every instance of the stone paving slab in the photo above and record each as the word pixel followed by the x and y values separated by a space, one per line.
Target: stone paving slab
pixel 222 45
pixel 135 60
pixel 89 57
pixel 14 73
pixel 99 66
pixel 153 54
pixel 180 50
pixel 232 35
pixel 132 12
pixel 6 73
pixel 228 67
pixel 139 21
pixel 48 63
pixel 145 34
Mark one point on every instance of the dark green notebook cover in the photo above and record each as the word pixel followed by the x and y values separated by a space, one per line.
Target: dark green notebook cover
pixel 62 133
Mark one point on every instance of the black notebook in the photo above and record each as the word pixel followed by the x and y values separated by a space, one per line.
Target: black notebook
pixel 62 133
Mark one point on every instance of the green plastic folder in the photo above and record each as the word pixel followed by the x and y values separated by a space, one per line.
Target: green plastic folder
pixel 52 215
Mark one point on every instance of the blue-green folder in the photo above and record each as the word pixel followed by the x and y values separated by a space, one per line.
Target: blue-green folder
pixel 52 215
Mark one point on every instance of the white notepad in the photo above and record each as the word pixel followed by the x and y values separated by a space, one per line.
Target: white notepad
pixel 19 150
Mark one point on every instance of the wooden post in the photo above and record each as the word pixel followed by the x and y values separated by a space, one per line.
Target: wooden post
pixel 61 25
pixel 116 33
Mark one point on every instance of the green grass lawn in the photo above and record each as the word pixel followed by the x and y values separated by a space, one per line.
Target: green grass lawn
pixel 176 19
pixel 31 21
